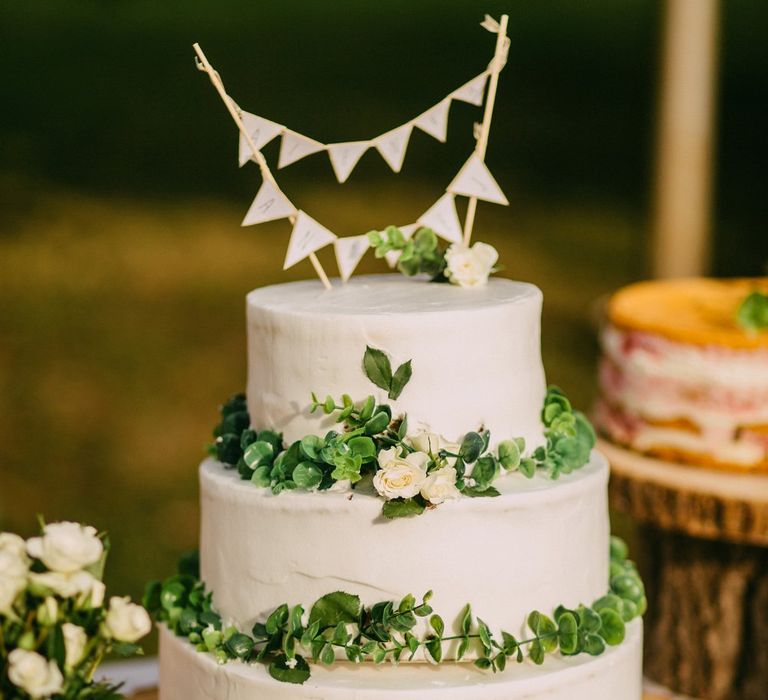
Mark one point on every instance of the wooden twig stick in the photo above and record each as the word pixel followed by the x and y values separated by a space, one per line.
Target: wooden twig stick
pixel 266 173
pixel 490 100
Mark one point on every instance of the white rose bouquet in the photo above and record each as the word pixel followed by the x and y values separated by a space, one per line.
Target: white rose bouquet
pixel 55 627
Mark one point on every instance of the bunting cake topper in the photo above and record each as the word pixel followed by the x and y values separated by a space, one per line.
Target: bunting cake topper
pixel 473 181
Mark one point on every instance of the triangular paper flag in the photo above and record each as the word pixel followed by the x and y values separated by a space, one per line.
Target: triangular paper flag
pixel 344 157
pixel 307 237
pixel 270 204
pixel 472 91
pixel 442 218
pixel 295 147
pixel 349 252
pixel 261 131
pixel 393 144
pixel 475 180
pixel 490 24
pixel 435 120
pixel 394 255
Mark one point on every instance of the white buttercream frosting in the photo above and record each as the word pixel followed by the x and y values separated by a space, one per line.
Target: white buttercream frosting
pixel 540 544
pixel 186 674
pixel 476 353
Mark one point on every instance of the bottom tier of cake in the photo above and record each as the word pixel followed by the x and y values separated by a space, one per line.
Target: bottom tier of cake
pixel 186 674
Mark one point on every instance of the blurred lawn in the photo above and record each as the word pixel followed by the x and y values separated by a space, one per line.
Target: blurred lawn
pixel 123 328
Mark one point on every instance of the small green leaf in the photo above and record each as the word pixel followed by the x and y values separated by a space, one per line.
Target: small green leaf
pixel 329 405
pixel 466 620
pixel 310 446
pixel 377 367
pixel 471 446
pixel 483 663
pixel 485 635
pixel 612 629
pixel 527 467
pixel 594 644
pixel 277 619
pixel 463 646
pixel 401 508
pixel 536 652
pixel 262 477
pixel 435 649
pixel 258 454
pixel 280 669
pixel 567 633
pixel 369 405
pixel 401 377
pixel 753 312
pixel 437 624
pixel 239 646
pixel 307 475
pixel 334 608
pixel 377 423
pixel 485 471
pixel 340 634
pixel 510 644
pixel 406 603
pixel 363 446
pixel 509 454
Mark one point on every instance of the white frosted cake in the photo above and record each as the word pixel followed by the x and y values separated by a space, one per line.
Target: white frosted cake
pixel 462 481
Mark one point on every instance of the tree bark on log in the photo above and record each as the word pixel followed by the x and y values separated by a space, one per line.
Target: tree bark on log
pixel 707 621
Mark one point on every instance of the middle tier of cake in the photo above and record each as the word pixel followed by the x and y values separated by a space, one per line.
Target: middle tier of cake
pixel 540 544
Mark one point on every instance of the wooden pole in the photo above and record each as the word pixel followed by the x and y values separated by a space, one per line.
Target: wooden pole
pixel 490 100
pixel 683 187
pixel 266 173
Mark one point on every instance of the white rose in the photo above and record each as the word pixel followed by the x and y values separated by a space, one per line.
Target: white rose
pixel 432 443
pixel 400 477
pixel 34 674
pixel 470 267
pixel 88 590
pixel 66 547
pixel 13 577
pixel 13 544
pixel 75 640
pixel 440 486
pixel 126 621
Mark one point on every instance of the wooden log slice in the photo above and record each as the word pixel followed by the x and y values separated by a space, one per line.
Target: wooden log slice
pixel 699 502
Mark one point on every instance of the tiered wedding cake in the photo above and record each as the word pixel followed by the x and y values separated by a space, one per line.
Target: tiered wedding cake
pixel 298 519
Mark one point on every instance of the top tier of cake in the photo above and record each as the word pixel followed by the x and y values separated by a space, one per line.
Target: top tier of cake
pixel 476 354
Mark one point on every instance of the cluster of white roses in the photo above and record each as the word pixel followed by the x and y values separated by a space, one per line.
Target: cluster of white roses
pixel 470 267
pixel 66 550
pixel 405 477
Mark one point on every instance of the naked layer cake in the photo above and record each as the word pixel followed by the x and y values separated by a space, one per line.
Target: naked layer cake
pixel 684 372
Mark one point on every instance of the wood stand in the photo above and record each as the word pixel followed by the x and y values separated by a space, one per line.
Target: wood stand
pixel 704 559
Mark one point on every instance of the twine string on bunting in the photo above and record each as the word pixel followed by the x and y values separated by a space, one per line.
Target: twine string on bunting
pixel 473 180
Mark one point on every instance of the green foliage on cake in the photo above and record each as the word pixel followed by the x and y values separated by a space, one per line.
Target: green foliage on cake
pixel 372 447
pixel 338 627
pixel 752 313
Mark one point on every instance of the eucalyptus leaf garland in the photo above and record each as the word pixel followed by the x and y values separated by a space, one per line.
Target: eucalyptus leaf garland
pixel 339 627
pixel 352 453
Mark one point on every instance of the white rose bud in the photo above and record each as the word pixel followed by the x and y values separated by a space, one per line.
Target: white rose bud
pixel 88 590
pixel 400 477
pixel 34 674
pixel 66 547
pixel 470 267
pixel 126 621
pixel 440 486
pixel 432 444
pixel 48 612
pixel 75 639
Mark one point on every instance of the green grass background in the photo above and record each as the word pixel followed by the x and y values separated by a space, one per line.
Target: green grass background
pixel 123 268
